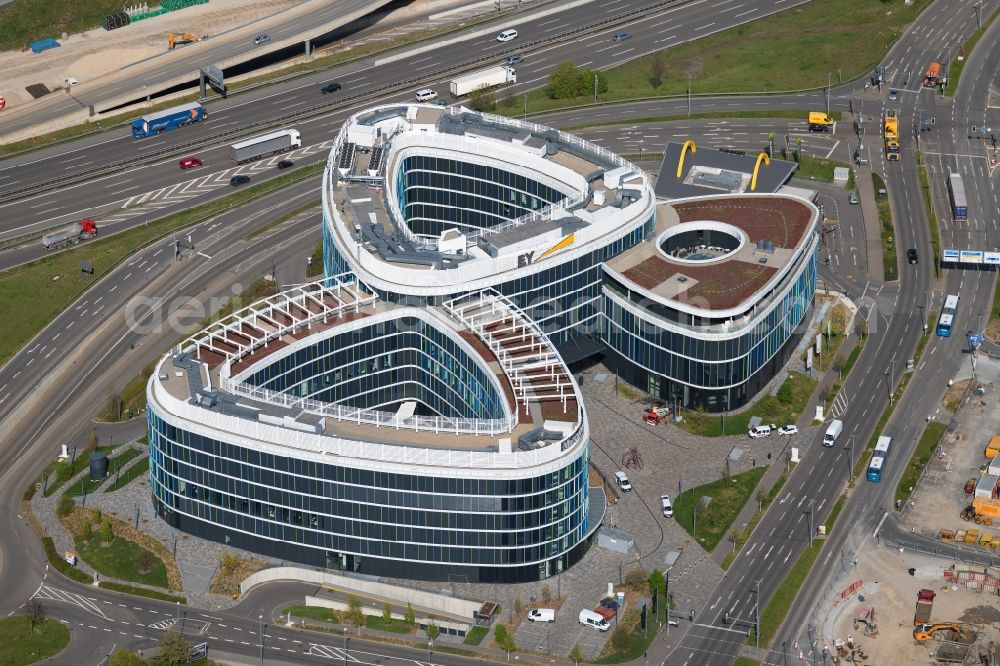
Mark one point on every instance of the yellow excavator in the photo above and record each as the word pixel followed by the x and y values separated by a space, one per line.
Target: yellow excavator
pixel 925 632
pixel 175 38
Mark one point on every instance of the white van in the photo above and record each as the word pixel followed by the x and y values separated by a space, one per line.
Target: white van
pixel 426 95
pixel 542 615
pixel 507 35
pixel 589 618
pixel 623 482
pixel 760 431
pixel 833 432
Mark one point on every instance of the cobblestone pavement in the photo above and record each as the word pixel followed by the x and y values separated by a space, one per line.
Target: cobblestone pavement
pixel 196 558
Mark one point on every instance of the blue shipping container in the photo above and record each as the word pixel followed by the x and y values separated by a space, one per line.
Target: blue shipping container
pixel 43 45
pixel 168 119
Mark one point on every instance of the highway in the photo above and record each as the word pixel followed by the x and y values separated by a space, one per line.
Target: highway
pixel 102 192
pixel 895 317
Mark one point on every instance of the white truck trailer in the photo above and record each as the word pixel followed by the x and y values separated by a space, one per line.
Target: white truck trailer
pixel 265 145
pixel 486 78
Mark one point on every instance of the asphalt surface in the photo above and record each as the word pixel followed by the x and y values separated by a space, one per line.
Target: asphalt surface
pixel 234 46
pixel 221 258
pixel 103 194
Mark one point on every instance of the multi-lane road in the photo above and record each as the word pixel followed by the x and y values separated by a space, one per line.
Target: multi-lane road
pixel 895 312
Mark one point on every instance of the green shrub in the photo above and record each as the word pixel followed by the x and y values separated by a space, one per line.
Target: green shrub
pixel 620 638
pixel 65 506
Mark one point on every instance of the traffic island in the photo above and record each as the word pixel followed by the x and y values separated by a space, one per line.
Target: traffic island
pixel 28 639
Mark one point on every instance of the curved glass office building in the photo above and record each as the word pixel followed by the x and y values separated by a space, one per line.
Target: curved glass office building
pixel 413 414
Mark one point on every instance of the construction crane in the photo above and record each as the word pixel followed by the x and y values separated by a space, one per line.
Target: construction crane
pixel 175 38
pixel 925 632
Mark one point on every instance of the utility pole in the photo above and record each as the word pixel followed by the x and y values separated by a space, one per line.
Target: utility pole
pixel 756 612
pixel 888 388
pixel 260 636
pixel 979 15
pixel 829 77
pixel 811 529
pixel 851 457
pixel 689 95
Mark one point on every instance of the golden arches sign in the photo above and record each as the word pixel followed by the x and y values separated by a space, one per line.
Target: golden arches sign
pixel 680 163
pixel 767 162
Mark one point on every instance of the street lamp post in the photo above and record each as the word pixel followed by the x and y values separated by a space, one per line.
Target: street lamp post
pixel 260 636
pixel 811 528
pixel 689 95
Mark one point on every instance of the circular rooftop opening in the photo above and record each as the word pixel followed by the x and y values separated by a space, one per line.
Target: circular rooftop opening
pixel 700 242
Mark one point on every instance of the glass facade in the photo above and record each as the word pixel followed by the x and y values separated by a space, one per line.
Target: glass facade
pixel 708 370
pixel 436 193
pixel 383 364
pixel 414 525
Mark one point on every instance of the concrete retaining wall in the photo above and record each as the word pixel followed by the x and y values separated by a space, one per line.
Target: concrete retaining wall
pixel 428 601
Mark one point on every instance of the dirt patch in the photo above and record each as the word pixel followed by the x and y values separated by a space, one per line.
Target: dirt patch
pixel 232 571
pixel 981 615
pixel 953 396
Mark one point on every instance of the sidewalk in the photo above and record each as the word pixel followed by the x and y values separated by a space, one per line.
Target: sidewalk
pixel 869 215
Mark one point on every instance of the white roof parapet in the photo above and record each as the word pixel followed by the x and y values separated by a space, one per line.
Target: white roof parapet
pixel 275 316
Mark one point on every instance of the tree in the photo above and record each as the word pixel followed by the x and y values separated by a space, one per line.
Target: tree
pixel 107 534
pixel 228 562
pixel 657 69
pixel 409 617
pixel 35 611
pixel 355 614
pixel 144 562
pixel 87 533
pixel 174 650
pixel 125 658
pixel 91 441
pixel 546 593
pixel 65 506
pixel 508 98
pixel 586 85
pixel 483 99
pixel 576 654
pixel 504 639
pixel 518 605
pixel 386 615
pixel 655 580
pixel 564 81
pixel 432 631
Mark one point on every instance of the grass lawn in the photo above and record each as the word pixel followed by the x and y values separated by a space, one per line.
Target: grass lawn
pixel 728 497
pixel 85 486
pixel 793 50
pixel 81 461
pixel 313 613
pixel 128 401
pixel 921 455
pixel 27 21
pixel 745 661
pixel 814 168
pixel 638 642
pixel 141 592
pixel 129 475
pixel 780 409
pixel 119 560
pixel 33 294
pixel 890 260
pixel 397 626
pixel 22 646
pixel 925 189
pixel 475 635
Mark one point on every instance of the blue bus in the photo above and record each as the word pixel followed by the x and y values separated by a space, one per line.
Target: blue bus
pixel 947 318
pixel 879 458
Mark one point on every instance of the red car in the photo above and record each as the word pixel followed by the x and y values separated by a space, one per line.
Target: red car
pixel 190 163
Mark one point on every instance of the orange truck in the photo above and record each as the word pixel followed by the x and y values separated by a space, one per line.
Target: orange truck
pixel 932 75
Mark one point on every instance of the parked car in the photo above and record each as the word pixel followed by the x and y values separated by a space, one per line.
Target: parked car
pixel 236 181
pixel 542 615
pixel 514 59
pixel 262 38
pixel 609 603
pixel 622 36
pixel 911 255
pixel 762 431
pixel 284 164
pixel 623 482
pixel 507 35
pixel 190 163
pixel 788 430
pixel 331 87
pixel 666 505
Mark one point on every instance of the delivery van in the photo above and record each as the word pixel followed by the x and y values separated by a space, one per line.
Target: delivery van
pixel 833 432
pixel 589 618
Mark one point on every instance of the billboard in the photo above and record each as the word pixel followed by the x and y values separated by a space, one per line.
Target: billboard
pixel 991 258
pixel 971 257
pixel 949 256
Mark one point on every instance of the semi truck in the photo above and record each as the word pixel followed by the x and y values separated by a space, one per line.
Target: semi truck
pixel 956 195
pixel 70 234
pixel 168 119
pixel 820 122
pixel 891 128
pixel 265 145
pixel 933 74
pixel 486 78
pixel 922 612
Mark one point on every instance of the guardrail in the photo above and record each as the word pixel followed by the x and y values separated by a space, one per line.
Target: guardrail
pixel 320 109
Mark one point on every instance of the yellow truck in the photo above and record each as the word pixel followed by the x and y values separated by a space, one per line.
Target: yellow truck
pixel 890 126
pixel 993 448
pixel 820 122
